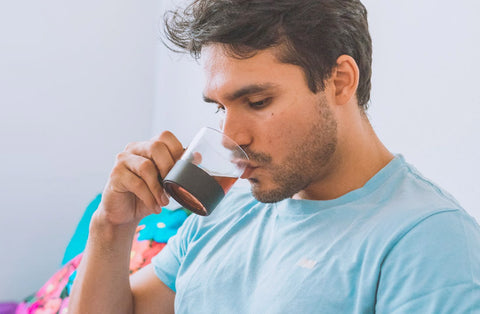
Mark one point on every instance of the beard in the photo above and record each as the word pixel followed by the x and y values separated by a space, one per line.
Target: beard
pixel 308 156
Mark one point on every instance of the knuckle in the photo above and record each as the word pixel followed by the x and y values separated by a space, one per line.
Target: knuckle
pixel 130 146
pixel 165 135
pixel 157 146
pixel 120 156
pixel 170 143
pixel 137 184
pixel 112 178
pixel 145 167
pixel 116 169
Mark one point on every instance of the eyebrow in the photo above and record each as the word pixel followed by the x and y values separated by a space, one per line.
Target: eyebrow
pixel 247 90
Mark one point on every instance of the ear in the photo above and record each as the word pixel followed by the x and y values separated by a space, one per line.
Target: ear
pixel 345 78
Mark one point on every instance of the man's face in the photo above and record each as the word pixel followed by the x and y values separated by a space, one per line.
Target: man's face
pixel 288 132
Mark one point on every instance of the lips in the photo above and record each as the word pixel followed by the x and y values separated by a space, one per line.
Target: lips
pixel 247 165
pixel 248 172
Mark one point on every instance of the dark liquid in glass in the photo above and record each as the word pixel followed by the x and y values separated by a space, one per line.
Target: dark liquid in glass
pixel 225 182
pixel 186 199
pixel 191 186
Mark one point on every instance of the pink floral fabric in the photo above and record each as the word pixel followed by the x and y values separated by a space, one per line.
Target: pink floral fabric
pixel 53 296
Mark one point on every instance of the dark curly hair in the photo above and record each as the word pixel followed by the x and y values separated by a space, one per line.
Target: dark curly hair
pixel 309 33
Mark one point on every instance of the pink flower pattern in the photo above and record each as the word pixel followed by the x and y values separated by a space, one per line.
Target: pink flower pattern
pixel 53 296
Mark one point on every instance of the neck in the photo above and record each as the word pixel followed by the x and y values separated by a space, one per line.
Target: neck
pixel 359 156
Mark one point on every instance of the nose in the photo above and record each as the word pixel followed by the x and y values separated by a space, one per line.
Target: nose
pixel 236 127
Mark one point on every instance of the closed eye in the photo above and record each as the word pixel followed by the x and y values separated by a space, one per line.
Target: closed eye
pixel 260 104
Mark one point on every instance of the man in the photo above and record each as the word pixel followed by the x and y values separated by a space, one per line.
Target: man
pixel 334 223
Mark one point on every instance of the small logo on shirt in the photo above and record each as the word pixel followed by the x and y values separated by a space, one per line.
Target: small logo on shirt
pixel 306 263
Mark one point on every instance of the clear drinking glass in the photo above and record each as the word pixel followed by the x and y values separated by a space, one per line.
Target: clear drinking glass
pixel 208 168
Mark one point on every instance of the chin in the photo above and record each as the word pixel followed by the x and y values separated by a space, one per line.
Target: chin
pixel 268 195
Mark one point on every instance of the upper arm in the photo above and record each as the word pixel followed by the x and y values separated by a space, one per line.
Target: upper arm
pixel 434 268
pixel 150 294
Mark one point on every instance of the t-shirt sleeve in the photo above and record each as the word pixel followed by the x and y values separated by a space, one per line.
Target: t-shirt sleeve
pixel 433 268
pixel 168 261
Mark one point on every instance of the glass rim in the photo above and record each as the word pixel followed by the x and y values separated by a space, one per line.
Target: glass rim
pixel 220 132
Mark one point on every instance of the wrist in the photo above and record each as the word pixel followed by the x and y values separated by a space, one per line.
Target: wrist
pixel 108 234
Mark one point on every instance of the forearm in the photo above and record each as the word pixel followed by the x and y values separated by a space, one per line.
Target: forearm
pixel 132 192
pixel 102 283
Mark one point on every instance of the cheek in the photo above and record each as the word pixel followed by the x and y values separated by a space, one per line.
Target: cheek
pixel 289 128
pixel 279 128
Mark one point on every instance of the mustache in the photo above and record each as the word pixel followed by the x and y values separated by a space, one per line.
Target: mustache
pixel 261 158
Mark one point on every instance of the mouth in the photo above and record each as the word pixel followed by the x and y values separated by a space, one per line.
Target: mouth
pixel 247 173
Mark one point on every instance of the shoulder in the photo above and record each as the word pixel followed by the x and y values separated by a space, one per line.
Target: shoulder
pixel 407 199
pixel 441 227
pixel 433 264
pixel 431 246
pixel 411 188
pixel 408 208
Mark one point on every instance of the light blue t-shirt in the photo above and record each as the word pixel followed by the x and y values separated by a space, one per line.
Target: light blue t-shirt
pixel 397 245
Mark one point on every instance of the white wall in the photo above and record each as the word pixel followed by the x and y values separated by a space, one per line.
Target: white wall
pixel 76 85
pixel 179 105
pixel 425 100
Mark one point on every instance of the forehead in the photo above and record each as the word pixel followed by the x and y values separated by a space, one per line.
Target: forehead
pixel 218 61
pixel 225 73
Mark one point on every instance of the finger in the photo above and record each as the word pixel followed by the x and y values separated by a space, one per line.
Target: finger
pixel 125 180
pixel 197 158
pixel 166 141
pixel 162 157
pixel 157 152
pixel 146 170
pixel 173 144
pixel 163 150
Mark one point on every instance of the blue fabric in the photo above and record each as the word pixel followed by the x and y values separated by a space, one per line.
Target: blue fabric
pixel 160 227
pixel 157 227
pixel 79 239
pixel 397 245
